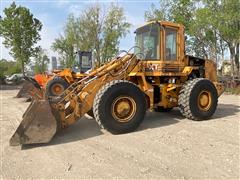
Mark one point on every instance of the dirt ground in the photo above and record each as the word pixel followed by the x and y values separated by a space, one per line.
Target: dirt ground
pixel 165 146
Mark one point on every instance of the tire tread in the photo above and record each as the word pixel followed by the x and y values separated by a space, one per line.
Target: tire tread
pixel 183 100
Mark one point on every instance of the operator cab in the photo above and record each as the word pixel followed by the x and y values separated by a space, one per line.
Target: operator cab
pixel 161 44
pixel 147 39
pixel 83 62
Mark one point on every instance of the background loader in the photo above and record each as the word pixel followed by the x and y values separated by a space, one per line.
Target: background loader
pixel 157 76
pixel 54 84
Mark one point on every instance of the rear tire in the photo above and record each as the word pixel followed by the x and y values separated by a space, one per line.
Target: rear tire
pixel 119 107
pixel 56 86
pixel 90 113
pixel 198 99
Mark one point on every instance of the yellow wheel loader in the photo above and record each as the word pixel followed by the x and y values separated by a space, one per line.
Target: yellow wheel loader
pixel 63 78
pixel 54 84
pixel 158 76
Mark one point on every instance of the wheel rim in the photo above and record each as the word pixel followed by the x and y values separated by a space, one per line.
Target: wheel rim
pixel 123 109
pixel 204 100
pixel 57 89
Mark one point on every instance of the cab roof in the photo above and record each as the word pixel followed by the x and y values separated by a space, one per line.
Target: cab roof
pixel 163 23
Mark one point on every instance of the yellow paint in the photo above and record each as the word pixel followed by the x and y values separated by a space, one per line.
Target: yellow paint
pixel 147 75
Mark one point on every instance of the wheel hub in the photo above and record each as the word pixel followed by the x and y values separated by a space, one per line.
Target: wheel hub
pixel 204 100
pixel 123 109
pixel 57 89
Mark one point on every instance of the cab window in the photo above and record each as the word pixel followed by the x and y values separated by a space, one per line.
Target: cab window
pixel 147 38
pixel 171 44
pixel 86 62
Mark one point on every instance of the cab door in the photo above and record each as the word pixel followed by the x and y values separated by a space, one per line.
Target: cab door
pixel 171 50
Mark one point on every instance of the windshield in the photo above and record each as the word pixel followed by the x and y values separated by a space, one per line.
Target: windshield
pixel 86 62
pixel 83 62
pixel 147 38
pixel 76 65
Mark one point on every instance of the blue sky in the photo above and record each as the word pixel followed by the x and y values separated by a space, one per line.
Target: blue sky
pixel 53 15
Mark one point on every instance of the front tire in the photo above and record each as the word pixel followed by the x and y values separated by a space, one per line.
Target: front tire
pixel 56 86
pixel 119 107
pixel 198 99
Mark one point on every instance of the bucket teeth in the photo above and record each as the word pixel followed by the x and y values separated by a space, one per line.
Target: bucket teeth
pixel 38 125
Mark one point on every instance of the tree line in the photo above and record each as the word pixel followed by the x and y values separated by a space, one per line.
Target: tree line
pixel 93 30
pixel 212 28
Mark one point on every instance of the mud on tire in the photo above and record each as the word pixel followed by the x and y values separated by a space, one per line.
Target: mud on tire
pixel 111 96
pixel 190 98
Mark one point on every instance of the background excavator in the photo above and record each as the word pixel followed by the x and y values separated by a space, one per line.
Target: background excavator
pixel 157 76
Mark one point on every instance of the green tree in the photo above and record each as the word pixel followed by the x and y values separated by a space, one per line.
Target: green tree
pixel 68 43
pixel 90 24
pixel 21 32
pixel 211 25
pixel 226 20
pixel 65 47
pixel 205 39
pixel 93 31
pixel 9 67
pixel 161 13
pixel 115 27
pixel 40 62
pixel 179 11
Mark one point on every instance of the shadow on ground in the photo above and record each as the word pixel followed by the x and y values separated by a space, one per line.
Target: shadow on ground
pixel 83 129
pixel 88 128
pixel 225 110
pixel 160 119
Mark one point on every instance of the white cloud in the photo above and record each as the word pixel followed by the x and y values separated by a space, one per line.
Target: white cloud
pixel 62 3
pixel 75 9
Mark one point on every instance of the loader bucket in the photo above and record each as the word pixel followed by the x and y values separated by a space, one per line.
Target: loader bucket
pixel 30 89
pixel 30 85
pixel 38 125
pixel 24 91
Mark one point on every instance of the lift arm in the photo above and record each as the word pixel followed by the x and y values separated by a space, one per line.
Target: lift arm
pixel 78 98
